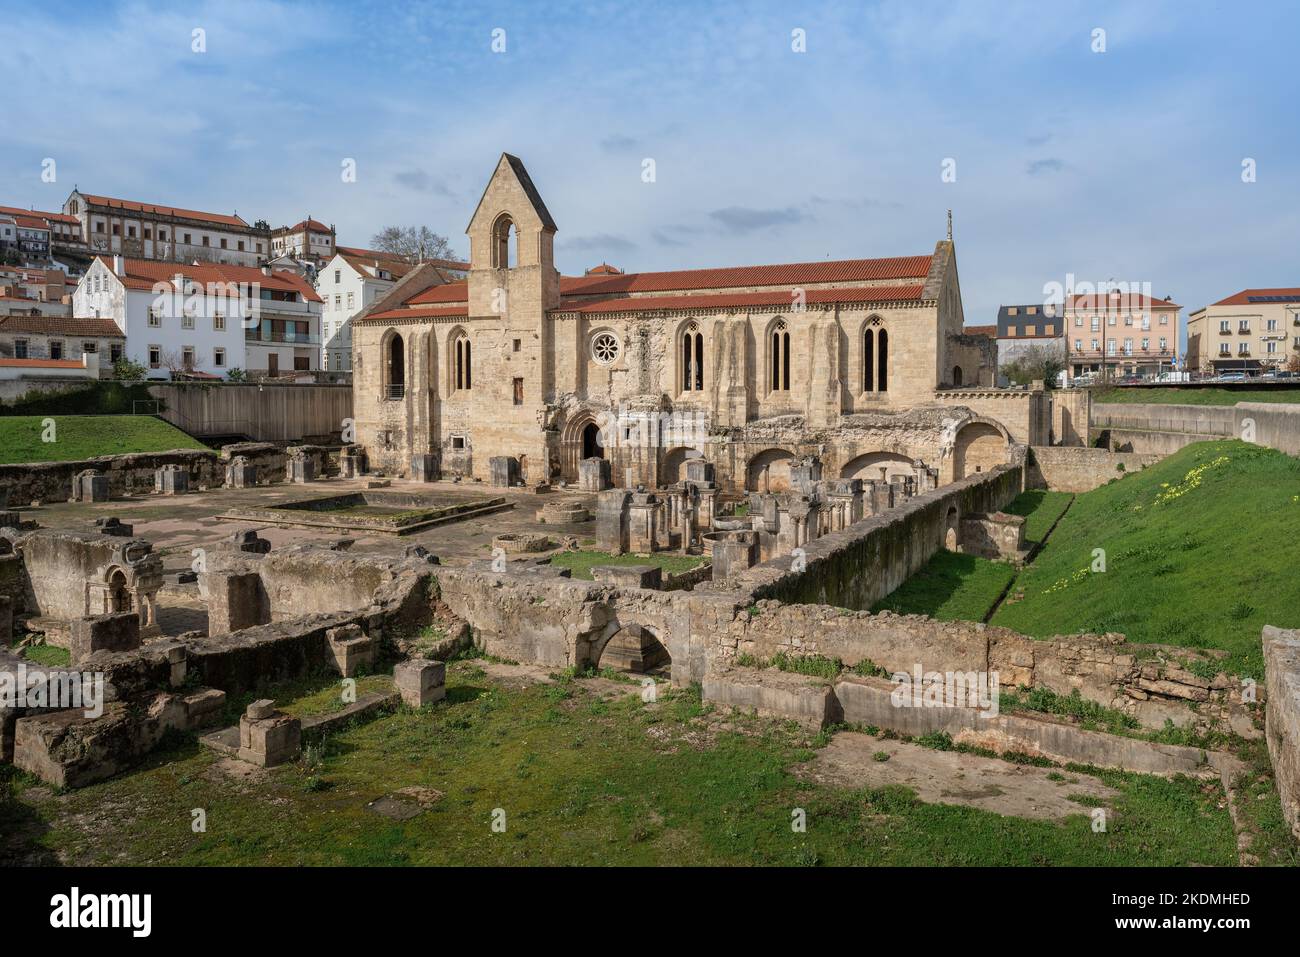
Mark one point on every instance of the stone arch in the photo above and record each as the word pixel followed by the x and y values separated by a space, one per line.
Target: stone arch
pixel 868 466
pixel 956 375
pixel 505 242
pixel 117 595
pixel 674 464
pixel 769 471
pixel 630 646
pixel 573 441
pixel 978 446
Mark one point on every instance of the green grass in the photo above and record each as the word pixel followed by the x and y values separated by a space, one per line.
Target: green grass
pixel 47 656
pixel 1041 509
pixel 85 436
pixel 950 587
pixel 582 562
pixel 1205 396
pixel 581 781
pixel 1200 551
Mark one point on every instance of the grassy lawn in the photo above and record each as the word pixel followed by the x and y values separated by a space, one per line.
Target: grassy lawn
pixel 1206 396
pixel 582 562
pixel 47 656
pixel 580 780
pixel 84 436
pixel 1041 509
pixel 950 587
pixel 1200 550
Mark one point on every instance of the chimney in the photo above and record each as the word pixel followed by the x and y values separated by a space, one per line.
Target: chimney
pixel 118 269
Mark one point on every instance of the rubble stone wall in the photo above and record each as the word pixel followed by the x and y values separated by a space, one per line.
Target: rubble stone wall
pixel 1282 721
pixel 1081 469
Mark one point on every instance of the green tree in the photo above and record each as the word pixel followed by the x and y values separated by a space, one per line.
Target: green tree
pixel 1034 363
pixel 128 370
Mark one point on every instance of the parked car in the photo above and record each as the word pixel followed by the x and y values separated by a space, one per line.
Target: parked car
pixel 1232 377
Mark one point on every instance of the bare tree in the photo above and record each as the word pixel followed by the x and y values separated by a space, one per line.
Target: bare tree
pixel 1036 362
pixel 413 243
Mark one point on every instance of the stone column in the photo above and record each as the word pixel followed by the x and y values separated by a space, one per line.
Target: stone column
pixel 643 523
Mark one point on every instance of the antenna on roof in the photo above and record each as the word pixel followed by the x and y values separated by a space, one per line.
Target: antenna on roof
pixel 950 225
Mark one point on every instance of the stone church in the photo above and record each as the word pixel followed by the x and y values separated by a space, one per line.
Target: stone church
pixel 862 363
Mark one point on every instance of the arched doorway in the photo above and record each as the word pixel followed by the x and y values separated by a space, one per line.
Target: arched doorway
pixel 119 596
pixel 956 375
pixel 950 536
pixel 979 447
pixel 591 445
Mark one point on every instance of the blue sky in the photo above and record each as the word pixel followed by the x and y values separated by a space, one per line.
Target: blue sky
pixel 1122 165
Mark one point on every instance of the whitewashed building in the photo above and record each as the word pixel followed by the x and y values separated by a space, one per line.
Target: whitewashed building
pixel 205 319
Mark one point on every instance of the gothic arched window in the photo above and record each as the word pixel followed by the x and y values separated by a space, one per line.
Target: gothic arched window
pixel 692 352
pixel 462 363
pixel 780 378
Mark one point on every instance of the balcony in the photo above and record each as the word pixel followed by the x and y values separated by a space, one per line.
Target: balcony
pixel 280 337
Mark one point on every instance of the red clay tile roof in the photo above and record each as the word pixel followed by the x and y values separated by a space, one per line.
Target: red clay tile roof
pixel 144 273
pixel 787 275
pixel 30 222
pixel 41 214
pixel 604 269
pixel 1243 298
pixel 372 254
pixel 315 225
pixel 446 292
pixel 780 298
pixel 1115 300
pixel 131 205
pixel 62 326
pixel 420 312
pixel 397 267
pixel 43 363
pixel 981 330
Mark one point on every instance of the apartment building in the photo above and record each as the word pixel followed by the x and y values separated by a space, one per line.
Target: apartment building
pixel 148 231
pixel 1120 333
pixel 310 239
pixel 1021 328
pixel 205 319
pixel 35 234
pixel 347 284
pixel 1250 331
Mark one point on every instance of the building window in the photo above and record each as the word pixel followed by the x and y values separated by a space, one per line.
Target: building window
pixel 1243 327
pixel 338 274
pixel 1223 326
pixel 56 348
pixel 1078 345
pixel 114 352
pixel 155 318
pixel 605 348
pixel 692 352
pixel 90 347
pixel 875 358
pixel 218 322
pixel 155 357
pixel 1271 325
pixel 463 363
pixel 351 301
pixel 1163 343
pixel 20 348
pixel 518 391
pixel 458 442
pixel 219 357
pixel 1243 348
pixel 779 380
pixel 516 345
pixel 1224 350
pixel 338 301
pixel 503 232
pixel 187 321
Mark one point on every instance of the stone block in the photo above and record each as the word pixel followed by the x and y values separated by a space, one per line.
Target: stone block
pixel 302 469
pixel 699 471
pixel 629 576
pixel 351 648
pixel 420 681
pixel 171 480
pixel 235 600
pixel 247 540
pixel 90 486
pixel 424 467
pixel 503 471
pixel 268 737
pixel 116 632
pixel 111 525
pixel 611 521
pixel 594 474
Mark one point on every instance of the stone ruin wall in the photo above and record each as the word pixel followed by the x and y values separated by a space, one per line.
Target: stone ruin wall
pixel 858 566
pixel 1081 469
pixel 133 474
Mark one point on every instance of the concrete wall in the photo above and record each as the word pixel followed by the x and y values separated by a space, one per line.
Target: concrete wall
pixel 1080 469
pixel 265 413
pixel 858 566
pixel 1150 427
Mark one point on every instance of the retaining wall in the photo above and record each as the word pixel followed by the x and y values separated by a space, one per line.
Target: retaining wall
pixel 1081 469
